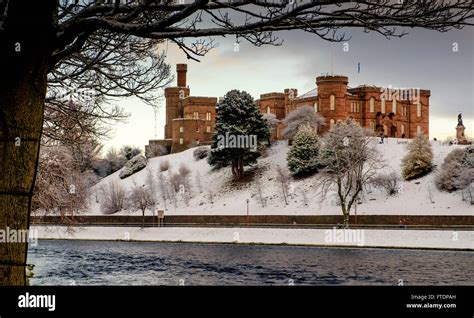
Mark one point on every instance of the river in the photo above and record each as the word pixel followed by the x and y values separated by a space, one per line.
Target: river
pixel 68 262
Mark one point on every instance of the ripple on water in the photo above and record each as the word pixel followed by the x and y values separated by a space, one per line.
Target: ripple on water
pixel 132 263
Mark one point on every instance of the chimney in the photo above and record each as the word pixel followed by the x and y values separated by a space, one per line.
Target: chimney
pixel 181 70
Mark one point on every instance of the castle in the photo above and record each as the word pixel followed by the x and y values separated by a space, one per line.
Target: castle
pixel 190 120
pixel 400 113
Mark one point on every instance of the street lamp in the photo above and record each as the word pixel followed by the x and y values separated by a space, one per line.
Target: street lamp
pixel 248 222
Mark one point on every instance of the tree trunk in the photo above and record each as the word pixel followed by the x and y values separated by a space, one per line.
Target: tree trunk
pixel 24 52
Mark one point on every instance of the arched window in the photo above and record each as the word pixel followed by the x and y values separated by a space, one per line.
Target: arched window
pixel 418 129
pixel 418 109
pixel 316 109
pixel 402 129
pixel 331 123
pixel 383 106
pixel 394 106
pixel 268 110
pixel 332 100
pixel 372 104
pixel 372 124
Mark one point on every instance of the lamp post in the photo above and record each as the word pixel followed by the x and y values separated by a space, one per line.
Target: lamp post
pixel 248 222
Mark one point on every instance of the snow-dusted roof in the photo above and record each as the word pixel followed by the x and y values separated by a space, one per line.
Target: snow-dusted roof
pixel 311 93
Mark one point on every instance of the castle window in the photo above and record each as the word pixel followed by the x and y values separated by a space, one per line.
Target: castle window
pixel 269 111
pixel 383 111
pixel 372 104
pixel 331 123
pixel 316 109
pixel 208 129
pixel 418 109
pixel 372 125
pixel 332 100
pixel 404 110
pixel 354 107
pixel 197 129
pixel 394 106
pixel 196 115
pixel 180 141
pixel 418 129
pixel 181 129
pixel 197 141
pixel 208 116
pixel 402 129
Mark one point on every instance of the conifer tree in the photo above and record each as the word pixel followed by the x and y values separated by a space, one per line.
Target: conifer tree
pixel 240 133
pixel 419 159
pixel 303 155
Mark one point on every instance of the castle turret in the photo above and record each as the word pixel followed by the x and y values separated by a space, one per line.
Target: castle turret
pixel 174 99
pixel 328 85
pixel 181 69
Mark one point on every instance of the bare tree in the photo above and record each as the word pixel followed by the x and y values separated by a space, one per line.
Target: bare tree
pixel 389 182
pixel 272 123
pixel 155 150
pixel 162 186
pixel 282 178
pixel 113 198
pixel 141 198
pixel 350 164
pixel 61 188
pixel 258 184
pixel 111 47
pixel 302 116
pixel 198 181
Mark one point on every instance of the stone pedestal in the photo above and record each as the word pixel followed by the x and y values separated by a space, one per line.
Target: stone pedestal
pixel 461 138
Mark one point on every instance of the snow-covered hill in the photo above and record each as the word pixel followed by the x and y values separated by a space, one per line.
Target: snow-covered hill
pixel 221 196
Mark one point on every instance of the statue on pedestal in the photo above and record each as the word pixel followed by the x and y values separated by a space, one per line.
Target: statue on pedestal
pixel 461 138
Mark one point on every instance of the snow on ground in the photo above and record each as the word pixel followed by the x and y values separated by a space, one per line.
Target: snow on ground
pixel 230 198
pixel 440 239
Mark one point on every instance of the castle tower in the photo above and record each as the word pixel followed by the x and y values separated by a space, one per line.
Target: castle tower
pixel 332 93
pixel 174 99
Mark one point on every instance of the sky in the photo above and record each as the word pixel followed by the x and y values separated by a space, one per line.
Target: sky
pixel 440 62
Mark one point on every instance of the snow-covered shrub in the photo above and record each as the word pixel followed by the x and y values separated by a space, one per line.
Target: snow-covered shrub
pixel 389 182
pixel 200 153
pixel 418 162
pixel 303 155
pixel 456 171
pixel 155 150
pixel 302 116
pixel 164 165
pixel 113 198
pixel 128 152
pixel 132 166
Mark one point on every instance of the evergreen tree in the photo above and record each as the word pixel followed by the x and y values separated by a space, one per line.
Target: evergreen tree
pixel 303 155
pixel 240 133
pixel 419 159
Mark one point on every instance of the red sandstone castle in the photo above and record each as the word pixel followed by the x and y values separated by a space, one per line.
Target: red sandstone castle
pixel 400 113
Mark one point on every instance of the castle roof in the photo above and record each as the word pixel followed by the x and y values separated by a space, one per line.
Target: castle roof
pixel 311 93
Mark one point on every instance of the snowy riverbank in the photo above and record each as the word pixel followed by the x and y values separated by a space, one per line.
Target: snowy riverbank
pixel 437 239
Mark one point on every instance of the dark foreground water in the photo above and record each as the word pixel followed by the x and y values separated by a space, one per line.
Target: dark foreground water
pixel 128 263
